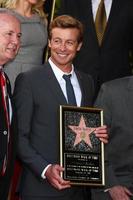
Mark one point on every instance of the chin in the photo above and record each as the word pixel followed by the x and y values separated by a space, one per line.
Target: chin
pixel 10 57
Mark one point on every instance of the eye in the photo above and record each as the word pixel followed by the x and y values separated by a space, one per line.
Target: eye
pixel 70 43
pixel 19 35
pixel 8 34
pixel 57 41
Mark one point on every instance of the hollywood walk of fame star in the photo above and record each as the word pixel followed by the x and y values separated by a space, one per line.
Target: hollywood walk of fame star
pixel 82 132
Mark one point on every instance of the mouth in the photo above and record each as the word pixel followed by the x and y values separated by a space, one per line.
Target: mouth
pixel 12 50
pixel 62 55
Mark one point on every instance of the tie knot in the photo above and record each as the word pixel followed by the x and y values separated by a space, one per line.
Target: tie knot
pixel 67 77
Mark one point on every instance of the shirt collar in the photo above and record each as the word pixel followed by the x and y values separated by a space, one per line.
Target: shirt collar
pixel 58 72
pixel 1 68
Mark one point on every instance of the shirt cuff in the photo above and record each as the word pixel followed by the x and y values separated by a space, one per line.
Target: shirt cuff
pixel 44 171
pixel 106 190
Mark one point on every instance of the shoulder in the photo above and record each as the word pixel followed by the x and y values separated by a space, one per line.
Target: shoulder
pixel 33 73
pixel 118 85
pixel 31 80
pixel 113 92
pixel 84 76
pixel 119 82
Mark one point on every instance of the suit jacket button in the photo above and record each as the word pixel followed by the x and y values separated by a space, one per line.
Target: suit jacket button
pixel 5 132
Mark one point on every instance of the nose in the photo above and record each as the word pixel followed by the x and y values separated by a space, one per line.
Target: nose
pixel 15 39
pixel 62 46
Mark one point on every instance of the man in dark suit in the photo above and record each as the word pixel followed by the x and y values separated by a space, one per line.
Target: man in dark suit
pixel 111 59
pixel 38 95
pixel 9 45
pixel 116 98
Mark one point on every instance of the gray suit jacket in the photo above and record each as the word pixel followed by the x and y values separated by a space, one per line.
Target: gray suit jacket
pixel 116 98
pixel 37 97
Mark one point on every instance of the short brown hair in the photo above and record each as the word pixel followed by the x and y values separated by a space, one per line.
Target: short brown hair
pixel 67 21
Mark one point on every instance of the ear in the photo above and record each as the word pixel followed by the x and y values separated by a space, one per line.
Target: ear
pixel 49 43
pixel 79 46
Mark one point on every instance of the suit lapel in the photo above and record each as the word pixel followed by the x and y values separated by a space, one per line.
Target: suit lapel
pixel 79 77
pixel 54 85
pixel 86 96
pixel 91 23
pixel 112 17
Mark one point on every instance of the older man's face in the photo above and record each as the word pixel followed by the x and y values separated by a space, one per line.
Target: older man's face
pixel 9 37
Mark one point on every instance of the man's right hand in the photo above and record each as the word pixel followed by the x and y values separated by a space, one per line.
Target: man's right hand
pixel 53 176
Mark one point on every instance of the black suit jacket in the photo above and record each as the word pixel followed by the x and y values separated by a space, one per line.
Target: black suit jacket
pixel 6 178
pixel 37 98
pixel 111 60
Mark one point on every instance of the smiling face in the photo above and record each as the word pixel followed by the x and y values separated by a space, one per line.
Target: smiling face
pixel 9 37
pixel 64 46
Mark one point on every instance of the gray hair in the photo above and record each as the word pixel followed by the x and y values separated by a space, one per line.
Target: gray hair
pixel 8 12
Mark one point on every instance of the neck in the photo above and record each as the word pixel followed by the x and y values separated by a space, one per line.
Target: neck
pixel 65 68
pixel 24 9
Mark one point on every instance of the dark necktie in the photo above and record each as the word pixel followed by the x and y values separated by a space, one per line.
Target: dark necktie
pixel 69 89
pixel 100 21
pixel 6 120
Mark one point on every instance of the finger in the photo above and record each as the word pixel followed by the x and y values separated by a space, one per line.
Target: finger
pixel 65 183
pixel 128 191
pixel 56 184
pixel 58 168
pixel 61 185
pixel 104 127
pixel 102 137
pixel 101 134
pixel 61 182
pixel 104 140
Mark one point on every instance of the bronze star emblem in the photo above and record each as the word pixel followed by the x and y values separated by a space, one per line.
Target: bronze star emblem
pixel 82 132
